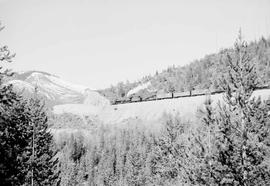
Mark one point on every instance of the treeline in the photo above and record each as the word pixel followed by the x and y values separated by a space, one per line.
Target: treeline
pixel 205 73
pixel 229 144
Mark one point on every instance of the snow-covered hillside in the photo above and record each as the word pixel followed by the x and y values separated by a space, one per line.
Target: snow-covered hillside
pixel 55 90
pixel 152 111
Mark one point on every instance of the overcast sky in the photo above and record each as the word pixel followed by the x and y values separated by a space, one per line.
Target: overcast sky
pixel 100 42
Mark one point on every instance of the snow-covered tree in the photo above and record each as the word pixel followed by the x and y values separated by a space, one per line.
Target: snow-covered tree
pixel 238 151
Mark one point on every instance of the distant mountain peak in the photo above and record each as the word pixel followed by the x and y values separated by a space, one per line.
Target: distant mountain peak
pixel 55 90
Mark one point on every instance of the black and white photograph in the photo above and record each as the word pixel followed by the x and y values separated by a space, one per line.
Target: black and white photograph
pixel 134 92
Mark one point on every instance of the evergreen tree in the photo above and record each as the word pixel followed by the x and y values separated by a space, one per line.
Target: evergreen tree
pixel 13 141
pixel 240 151
pixel 201 166
pixel 42 162
pixel 169 158
pixel 6 93
pixel 12 128
pixel 243 141
pixel 26 144
pixel 136 167
pixel 77 148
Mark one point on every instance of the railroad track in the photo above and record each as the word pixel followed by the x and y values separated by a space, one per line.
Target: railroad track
pixel 174 96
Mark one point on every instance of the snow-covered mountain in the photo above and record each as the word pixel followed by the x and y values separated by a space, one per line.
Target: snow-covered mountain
pixel 55 90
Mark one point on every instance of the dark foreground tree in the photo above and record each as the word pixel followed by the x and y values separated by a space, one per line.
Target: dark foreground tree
pixel 5 91
pixel 12 130
pixel 42 162
pixel 13 135
pixel 27 156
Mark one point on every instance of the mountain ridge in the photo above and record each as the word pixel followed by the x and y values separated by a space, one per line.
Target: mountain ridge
pixel 55 90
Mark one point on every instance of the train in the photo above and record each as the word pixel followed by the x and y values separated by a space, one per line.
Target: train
pixel 154 96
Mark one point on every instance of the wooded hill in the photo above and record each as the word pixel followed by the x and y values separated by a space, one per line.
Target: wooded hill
pixel 200 74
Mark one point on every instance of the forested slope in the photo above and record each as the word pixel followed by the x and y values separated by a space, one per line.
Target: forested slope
pixel 202 73
pixel 227 143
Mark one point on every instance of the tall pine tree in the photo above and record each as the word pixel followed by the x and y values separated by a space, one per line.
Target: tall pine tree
pixel 26 151
pixel 42 162
pixel 241 149
pixel 12 128
pixel 243 143
pixel 13 141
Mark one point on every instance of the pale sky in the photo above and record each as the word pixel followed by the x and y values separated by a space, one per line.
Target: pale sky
pixel 100 42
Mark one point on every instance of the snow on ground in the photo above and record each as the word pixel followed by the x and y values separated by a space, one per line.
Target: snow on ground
pixel 78 109
pixel 93 104
pixel 95 99
pixel 138 88
pixel 146 113
pixel 153 110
